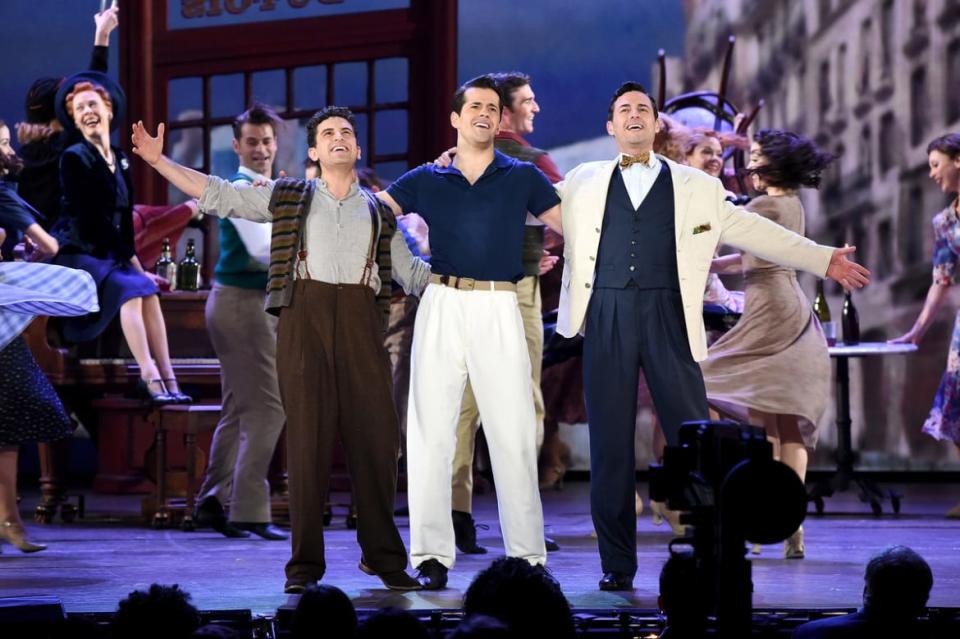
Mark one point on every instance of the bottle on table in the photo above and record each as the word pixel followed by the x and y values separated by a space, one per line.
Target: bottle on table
pixel 166 267
pixel 822 310
pixel 188 271
pixel 850 320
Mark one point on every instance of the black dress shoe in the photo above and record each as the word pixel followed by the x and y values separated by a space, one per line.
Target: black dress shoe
pixel 465 533
pixel 265 530
pixel 209 514
pixel 551 544
pixel 395 580
pixel 154 393
pixel 432 575
pixel 616 581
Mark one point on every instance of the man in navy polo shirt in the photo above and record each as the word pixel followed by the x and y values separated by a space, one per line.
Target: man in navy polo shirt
pixel 469 325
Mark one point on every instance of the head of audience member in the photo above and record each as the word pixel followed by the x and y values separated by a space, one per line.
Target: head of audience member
pixel 480 627
pixel 10 164
pixel 91 108
pixel 897 583
pixel 255 138
pixel 476 111
pixel 633 118
pixel 785 160
pixel 704 151
pixel 519 102
pixel 524 597
pixel 311 169
pixel 388 623
pixel 215 631
pixel 161 612
pixel 678 597
pixel 332 139
pixel 943 156
pixel 326 611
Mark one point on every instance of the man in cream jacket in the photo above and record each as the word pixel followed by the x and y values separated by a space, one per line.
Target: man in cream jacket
pixel 640 234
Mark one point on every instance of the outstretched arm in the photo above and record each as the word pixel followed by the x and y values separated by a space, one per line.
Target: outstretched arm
pixel 935 295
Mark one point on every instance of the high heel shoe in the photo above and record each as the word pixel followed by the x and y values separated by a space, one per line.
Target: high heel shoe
pixel 177 395
pixel 661 513
pixel 14 533
pixel 154 398
pixel 793 545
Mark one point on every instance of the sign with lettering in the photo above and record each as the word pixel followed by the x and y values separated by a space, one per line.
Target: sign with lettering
pixel 193 14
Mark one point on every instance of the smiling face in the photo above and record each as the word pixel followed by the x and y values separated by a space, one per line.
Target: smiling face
pixel 91 115
pixel 335 145
pixel 944 171
pixel 479 119
pixel 707 156
pixel 5 149
pixel 633 123
pixel 522 110
pixel 257 147
pixel 757 159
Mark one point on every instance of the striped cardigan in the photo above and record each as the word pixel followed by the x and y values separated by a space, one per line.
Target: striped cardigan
pixel 289 205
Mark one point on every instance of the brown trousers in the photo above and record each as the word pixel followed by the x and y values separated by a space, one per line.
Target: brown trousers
pixel 334 377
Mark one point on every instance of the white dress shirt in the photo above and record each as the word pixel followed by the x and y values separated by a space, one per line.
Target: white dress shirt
pixel 639 178
pixel 254 235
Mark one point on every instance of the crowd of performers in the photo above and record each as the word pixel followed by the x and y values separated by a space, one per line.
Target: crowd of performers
pixel 474 247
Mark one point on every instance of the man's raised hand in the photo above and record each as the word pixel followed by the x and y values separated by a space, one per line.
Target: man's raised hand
pixel 846 272
pixel 148 147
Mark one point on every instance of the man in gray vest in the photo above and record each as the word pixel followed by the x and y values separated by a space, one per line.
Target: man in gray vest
pixel 245 340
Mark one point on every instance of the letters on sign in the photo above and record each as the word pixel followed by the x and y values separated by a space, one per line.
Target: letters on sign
pixel 214 8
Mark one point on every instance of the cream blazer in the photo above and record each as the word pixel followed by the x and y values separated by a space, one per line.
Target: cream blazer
pixel 703 219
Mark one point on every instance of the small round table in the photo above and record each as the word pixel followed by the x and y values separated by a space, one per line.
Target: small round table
pixel 845 455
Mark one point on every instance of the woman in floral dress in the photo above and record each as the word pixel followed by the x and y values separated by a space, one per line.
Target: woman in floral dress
pixel 943 156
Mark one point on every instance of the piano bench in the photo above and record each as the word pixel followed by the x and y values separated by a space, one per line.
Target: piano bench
pixel 190 420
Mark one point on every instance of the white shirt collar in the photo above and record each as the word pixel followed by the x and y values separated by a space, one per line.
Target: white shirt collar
pixel 256 177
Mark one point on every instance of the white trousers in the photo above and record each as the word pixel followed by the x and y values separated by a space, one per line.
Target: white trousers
pixel 478 334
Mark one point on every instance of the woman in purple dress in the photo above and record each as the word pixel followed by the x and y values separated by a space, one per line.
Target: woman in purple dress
pixel 943 156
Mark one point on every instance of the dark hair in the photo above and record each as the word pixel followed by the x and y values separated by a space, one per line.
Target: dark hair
pixel 627 87
pixel 524 597
pixel 9 164
pixel 948 144
pixel 162 612
pixel 485 81
pixel 258 113
pixel 39 103
pixel 897 580
pixel 326 610
pixel 480 627
pixel 509 82
pixel 792 160
pixel 325 114
pixel 390 622
pixel 369 179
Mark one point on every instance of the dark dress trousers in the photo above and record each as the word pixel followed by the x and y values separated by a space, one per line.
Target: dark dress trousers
pixel 635 319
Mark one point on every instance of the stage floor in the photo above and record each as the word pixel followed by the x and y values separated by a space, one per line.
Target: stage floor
pixel 93 563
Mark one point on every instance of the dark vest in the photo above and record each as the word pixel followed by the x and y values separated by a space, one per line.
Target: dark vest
pixel 638 247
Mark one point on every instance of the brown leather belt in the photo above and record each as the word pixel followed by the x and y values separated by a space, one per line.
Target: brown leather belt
pixel 470 284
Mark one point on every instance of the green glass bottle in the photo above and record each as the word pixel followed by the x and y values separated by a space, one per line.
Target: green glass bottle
pixel 822 310
pixel 188 271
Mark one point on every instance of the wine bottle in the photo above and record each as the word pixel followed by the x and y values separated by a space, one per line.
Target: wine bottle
pixel 188 271
pixel 850 320
pixel 166 267
pixel 822 310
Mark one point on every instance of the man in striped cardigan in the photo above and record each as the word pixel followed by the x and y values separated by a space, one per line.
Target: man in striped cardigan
pixel 334 254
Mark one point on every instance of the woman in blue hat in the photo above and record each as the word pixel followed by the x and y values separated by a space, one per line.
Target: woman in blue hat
pixel 95 231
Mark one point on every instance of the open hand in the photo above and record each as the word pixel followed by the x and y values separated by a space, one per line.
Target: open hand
pixel 910 337
pixel 846 272
pixel 148 147
pixel 547 262
pixel 106 21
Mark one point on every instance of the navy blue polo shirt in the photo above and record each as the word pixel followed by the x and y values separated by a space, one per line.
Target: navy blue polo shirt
pixel 476 230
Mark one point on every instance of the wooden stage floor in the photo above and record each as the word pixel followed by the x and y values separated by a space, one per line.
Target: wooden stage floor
pixel 91 564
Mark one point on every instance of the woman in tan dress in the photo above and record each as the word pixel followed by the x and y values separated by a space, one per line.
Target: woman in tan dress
pixel 773 369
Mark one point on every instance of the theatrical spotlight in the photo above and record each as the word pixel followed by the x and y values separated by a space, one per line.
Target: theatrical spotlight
pixel 730 490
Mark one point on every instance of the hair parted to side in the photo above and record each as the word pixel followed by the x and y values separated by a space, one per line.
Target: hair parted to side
pixel 80 87
pixel 792 160
pixel 258 113
pixel 509 82
pixel 485 81
pixel 948 144
pixel 627 87
pixel 325 114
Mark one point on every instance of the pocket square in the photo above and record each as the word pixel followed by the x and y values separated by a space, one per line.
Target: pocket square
pixel 701 228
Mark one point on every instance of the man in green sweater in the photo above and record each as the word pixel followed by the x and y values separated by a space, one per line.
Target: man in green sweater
pixel 245 339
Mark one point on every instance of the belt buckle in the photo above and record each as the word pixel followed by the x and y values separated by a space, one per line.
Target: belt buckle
pixel 466 283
